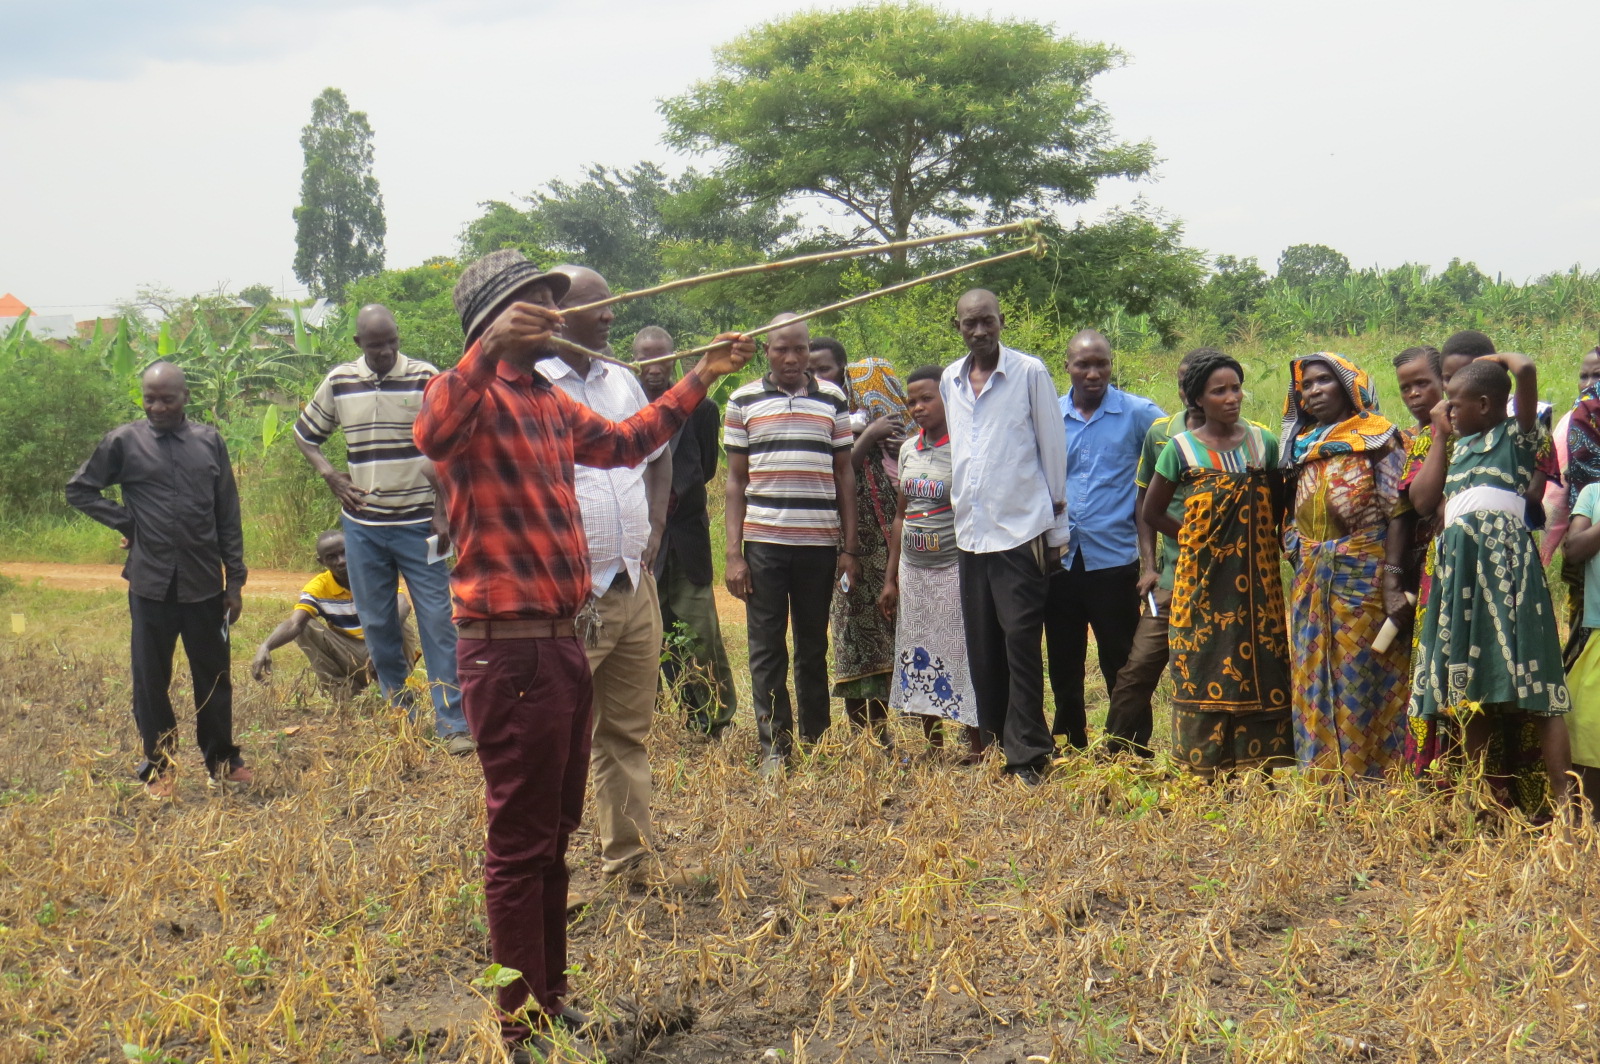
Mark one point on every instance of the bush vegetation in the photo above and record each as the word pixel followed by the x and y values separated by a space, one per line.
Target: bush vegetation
pixel 251 368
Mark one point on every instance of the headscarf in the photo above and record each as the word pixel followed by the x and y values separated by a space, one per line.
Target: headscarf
pixel 876 389
pixel 1303 439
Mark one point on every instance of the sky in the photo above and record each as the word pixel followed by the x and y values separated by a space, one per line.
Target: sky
pixel 156 143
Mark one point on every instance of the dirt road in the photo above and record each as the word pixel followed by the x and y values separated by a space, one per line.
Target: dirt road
pixel 275 583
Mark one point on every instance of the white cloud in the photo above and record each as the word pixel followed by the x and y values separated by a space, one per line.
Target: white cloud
pixel 164 147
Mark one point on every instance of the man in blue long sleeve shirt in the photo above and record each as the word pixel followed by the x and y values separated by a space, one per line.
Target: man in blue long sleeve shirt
pixel 1097 583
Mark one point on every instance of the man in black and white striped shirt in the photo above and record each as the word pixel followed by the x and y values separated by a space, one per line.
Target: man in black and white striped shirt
pixel 387 499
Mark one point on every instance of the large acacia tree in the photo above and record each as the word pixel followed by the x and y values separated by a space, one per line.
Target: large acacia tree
pixel 339 226
pixel 907 116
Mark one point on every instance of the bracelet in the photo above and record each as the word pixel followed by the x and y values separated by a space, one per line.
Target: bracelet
pixel 852 553
pixel 1395 569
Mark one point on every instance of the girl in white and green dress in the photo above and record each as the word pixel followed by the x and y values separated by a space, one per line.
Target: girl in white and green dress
pixel 1489 654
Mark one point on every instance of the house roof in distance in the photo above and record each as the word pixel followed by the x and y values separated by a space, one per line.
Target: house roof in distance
pixel 11 306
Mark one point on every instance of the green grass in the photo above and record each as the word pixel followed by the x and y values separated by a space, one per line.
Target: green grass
pixel 72 539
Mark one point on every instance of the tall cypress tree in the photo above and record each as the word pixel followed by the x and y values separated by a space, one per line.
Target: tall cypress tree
pixel 339 226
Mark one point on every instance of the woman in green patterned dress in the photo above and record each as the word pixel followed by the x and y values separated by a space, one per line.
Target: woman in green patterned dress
pixel 1228 637
pixel 1489 643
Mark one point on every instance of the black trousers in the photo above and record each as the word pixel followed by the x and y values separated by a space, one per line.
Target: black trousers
pixel 203 627
pixel 1106 600
pixel 789 586
pixel 1002 609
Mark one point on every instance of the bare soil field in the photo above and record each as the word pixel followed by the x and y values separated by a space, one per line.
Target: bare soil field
pixel 872 907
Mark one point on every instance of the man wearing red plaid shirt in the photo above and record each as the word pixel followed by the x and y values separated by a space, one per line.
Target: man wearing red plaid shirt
pixel 505 440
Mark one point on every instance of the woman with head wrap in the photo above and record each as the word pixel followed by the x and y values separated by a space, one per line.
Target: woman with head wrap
pixel 1345 461
pixel 863 639
pixel 1230 668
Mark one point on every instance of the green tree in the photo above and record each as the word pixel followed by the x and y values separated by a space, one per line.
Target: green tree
pixel 339 226
pixel 1133 261
pixel 1463 279
pixel 635 226
pixel 54 407
pixel 257 295
pixel 907 116
pixel 1304 265
pixel 430 328
pixel 1233 289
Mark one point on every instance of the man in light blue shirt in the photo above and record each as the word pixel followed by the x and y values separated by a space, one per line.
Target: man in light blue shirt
pixel 1097 583
pixel 1008 489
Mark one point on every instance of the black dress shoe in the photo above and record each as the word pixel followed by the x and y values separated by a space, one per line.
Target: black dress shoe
pixel 572 1019
pixel 535 1049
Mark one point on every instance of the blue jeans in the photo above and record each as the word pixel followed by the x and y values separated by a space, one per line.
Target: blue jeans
pixel 378 555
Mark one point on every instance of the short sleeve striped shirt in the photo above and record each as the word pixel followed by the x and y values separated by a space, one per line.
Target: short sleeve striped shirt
pixel 376 414
pixel 325 597
pixel 790 441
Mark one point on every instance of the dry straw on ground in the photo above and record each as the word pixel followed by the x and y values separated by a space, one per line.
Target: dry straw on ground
pixel 863 910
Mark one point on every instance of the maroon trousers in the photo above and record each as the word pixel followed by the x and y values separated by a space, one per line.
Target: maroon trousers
pixel 528 703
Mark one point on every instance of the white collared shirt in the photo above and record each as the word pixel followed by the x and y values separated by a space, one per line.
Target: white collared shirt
pixel 1008 455
pixel 613 502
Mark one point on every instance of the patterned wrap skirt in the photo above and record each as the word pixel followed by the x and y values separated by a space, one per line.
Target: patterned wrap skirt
pixel 1349 700
pixel 1228 639
pixel 930 642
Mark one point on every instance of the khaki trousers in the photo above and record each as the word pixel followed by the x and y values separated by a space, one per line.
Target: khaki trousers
pixel 625 661
pixel 342 662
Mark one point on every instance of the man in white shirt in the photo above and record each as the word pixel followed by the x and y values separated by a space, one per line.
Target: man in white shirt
pixel 1008 489
pixel 624 511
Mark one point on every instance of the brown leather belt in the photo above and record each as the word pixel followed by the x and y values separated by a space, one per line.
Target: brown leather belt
pixel 562 629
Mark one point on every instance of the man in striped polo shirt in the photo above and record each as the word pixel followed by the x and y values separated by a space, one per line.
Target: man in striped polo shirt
pixel 325 625
pixel 388 513
pixel 791 523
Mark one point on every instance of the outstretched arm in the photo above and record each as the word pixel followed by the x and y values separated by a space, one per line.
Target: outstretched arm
pixel 606 444
pixel 286 632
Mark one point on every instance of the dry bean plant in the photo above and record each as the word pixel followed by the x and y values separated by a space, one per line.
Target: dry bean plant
pixel 870 907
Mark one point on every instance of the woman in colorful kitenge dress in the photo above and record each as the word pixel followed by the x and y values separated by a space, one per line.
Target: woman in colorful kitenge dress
pixel 1345 462
pixel 1229 643
pixel 1578 440
pixel 863 641
pixel 922 591
pixel 1420 374
pixel 1489 648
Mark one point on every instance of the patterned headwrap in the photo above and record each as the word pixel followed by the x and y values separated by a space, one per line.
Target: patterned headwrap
pixel 876 389
pixel 1304 440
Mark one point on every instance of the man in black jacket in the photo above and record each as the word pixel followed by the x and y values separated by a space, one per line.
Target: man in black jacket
pixel 683 565
pixel 185 571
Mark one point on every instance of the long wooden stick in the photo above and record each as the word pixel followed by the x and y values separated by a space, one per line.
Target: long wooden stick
pixel 1036 248
pixel 563 342
pixel 1028 225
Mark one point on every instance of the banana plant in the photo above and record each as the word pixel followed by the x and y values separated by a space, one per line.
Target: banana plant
pixel 15 339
